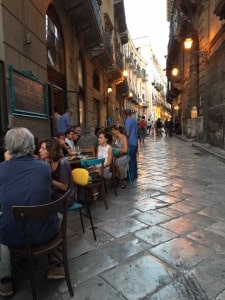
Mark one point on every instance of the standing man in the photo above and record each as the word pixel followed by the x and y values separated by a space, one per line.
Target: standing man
pixel 64 121
pixel 24 180
pixel 131 133
pixel 149 124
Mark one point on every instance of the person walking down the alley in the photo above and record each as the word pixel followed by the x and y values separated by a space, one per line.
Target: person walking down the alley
pixel 159 126
pixel 152 131
pixel 120 146
pixel 171 127
pixel 131 133
pixel 177 127
pixel 149 124
pixel 64 122
pixel 167 124
pixel 24 180
pixel 143 128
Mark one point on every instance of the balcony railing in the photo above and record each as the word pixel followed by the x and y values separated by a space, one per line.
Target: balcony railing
pixel 219 8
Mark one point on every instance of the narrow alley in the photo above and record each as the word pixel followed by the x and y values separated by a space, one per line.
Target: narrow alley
pixel 161 238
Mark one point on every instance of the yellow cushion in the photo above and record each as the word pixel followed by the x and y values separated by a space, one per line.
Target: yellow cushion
pixel 80 176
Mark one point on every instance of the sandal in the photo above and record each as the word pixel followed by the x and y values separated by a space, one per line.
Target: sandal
pixel 95 196
pixel 123 184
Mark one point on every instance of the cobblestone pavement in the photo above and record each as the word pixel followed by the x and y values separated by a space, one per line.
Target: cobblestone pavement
pixel 161 238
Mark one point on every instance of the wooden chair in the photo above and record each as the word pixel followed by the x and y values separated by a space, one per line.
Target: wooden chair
pixel 80 178
pixel 56 247
pixel 89 151
pixel 98 183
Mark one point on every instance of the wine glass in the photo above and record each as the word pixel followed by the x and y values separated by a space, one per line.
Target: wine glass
pixel 73 150
pixel 78 150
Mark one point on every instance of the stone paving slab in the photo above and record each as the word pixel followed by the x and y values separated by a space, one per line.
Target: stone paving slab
pixel 137 278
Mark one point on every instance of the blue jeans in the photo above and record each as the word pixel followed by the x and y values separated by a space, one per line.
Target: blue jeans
pixel 133 160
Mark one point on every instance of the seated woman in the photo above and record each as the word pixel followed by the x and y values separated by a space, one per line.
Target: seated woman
pixel 104 150
pixel 122 159
pixel 50 151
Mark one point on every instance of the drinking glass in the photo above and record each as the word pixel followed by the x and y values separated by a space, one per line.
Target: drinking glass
pixel 73 149
pixel 78 150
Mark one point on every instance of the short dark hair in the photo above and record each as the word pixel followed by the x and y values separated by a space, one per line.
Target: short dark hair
pixel 127 112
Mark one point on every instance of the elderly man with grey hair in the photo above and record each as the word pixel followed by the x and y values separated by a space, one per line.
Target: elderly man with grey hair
pixel 24 180
pixel 88 139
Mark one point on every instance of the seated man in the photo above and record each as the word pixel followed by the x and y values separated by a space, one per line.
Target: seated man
pixel 24 180
pixel 88 139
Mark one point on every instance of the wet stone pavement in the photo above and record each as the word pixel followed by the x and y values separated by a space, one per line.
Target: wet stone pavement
pixel 161 238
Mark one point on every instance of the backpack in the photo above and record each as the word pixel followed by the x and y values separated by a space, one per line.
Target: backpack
pixel 142 124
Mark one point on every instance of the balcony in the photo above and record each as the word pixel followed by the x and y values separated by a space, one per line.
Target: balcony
pixel 120 16
pixel 219 8
pixel 123 87
pixel 143 74
pixel 89 28
pixel 143 104
pixel 115 71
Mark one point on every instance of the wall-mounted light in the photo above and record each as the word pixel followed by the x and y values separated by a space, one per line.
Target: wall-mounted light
pixel 175 71
pixel 188 43
pixel 109 90
pixel 125 73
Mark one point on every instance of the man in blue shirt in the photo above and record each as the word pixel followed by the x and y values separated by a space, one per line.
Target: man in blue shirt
pixel 131 133
pixel 24 180
pixel 64 122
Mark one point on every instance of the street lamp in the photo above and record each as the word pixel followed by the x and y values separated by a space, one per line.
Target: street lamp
pixel 188 43
pixel 175 71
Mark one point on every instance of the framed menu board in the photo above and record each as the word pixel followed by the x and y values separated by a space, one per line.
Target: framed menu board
pixel 28 94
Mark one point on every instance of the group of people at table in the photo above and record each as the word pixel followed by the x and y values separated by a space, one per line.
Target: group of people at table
pixel 28 179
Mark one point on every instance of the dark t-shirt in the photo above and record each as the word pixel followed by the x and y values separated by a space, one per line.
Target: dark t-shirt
pixel 63 174
pixel 25 181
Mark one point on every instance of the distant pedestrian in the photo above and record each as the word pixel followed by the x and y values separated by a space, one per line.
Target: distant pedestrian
pixel 159 127
pixel 64 121
pixel 171 127
pixel 149 124
pixel 167 124
pixel 131 133
pixel 143 127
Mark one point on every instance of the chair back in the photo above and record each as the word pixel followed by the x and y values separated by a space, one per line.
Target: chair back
pixel 89 151
pixel 80 176
pixel 42 211
pixel 92 162
pixel 26 214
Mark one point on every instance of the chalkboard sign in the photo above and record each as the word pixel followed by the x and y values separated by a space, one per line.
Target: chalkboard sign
pixel 28 94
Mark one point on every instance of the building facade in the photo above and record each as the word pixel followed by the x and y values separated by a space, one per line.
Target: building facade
pixel 57 55
pixel 196 71
pixel 69 54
